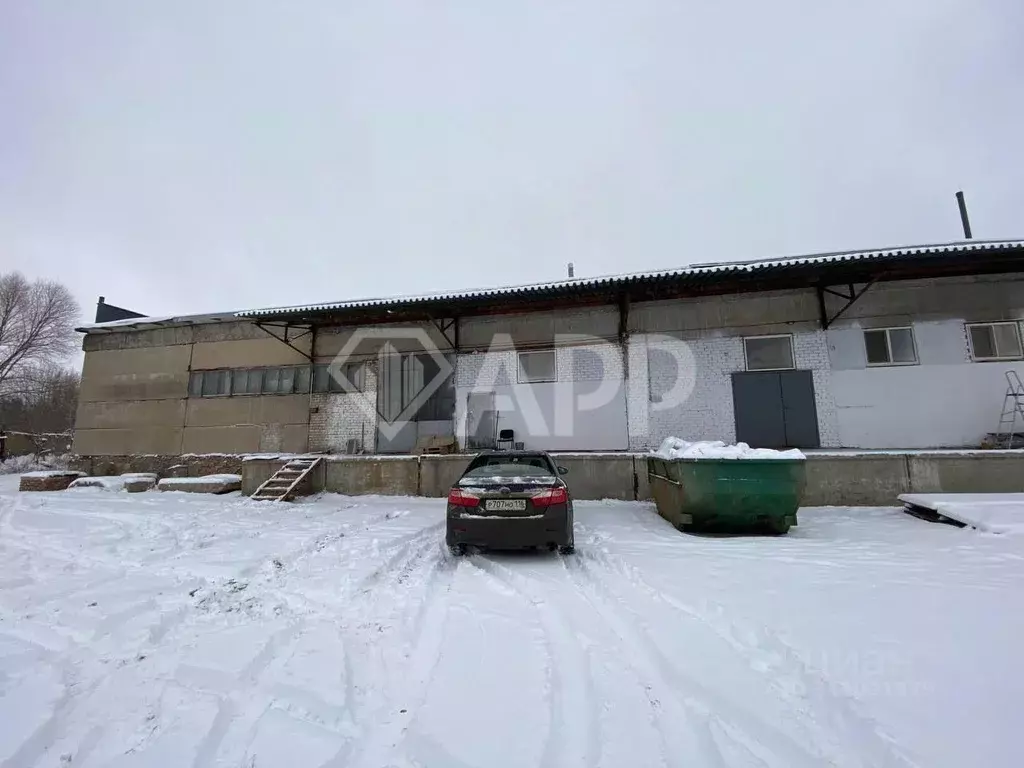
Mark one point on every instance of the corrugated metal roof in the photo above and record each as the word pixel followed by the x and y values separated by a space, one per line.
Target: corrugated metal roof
pixel 734 267
pixel 696 271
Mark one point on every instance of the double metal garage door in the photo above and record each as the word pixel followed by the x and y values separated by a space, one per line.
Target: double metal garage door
pixel 775 409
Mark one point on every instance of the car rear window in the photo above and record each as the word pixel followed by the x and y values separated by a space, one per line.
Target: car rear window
pixel 518 466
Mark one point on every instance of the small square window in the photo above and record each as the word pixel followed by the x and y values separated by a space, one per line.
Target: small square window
pixel 890 346
pixel 254 381
pixel 321 378
pixel 536 367
pixel 769 353
pixel 195 384
pixel 239 380
pixel 355 374
pixel 302 380
pixel 271 381
pixel 216 383
pixel 995 341
pixel 286 384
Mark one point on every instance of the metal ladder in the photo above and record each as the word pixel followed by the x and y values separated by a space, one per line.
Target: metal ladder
pixel 1013 407
pixel 282 484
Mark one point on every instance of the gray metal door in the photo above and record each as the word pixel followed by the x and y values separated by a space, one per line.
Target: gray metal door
pixel 757 400
pixel 799 412
pixel 481 420
pixel 775 409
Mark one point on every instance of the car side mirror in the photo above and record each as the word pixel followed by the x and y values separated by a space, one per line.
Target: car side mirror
pixel 563 471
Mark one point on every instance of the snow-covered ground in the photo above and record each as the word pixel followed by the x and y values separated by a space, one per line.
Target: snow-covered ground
pixel 169 629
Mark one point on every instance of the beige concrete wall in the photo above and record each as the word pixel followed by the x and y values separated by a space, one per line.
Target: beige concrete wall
pixel 247 353
pixel 130 414
pixel 258 410
pixel 246 424
pixel 105 442
pixel 135 395
pixel 153 373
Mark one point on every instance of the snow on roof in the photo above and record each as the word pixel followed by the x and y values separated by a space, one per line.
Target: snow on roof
pixel 145 323
pixel 693 269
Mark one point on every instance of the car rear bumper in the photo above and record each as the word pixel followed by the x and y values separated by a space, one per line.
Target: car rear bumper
pixel 496 532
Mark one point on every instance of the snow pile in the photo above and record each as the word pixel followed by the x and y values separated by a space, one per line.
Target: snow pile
pixel 20 465
pixel 677 448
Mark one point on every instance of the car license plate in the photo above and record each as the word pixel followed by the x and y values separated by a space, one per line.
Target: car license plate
pixel 505 505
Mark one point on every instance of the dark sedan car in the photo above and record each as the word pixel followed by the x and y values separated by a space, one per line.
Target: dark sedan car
pixel 510 500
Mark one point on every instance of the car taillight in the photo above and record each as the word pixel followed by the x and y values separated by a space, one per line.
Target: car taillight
pixel 462 499
pixel 549 497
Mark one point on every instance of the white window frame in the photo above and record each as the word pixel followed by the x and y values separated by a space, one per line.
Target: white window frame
pixel 792 351
pixel 970 340
pixel 888 346
pixel 519 365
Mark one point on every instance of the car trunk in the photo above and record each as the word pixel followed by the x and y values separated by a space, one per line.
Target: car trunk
pixel 507 497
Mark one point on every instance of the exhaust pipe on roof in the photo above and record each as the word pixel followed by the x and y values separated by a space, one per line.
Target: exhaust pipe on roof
pixel 966 222
pixel 571 270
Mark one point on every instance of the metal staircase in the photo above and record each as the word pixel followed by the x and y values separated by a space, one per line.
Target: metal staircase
pixel 1013 409
pixel 281 486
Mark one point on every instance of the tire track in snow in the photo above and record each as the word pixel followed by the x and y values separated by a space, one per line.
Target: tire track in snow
pixel 246 684
pixel 375 746
pixel 863 734
pixel 573 734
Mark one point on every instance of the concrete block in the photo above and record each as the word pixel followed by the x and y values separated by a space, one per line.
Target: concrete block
pixel 643 484
pixel 255 472
pixel 598 476
pixel 48 480
pixel 973 473
pixel 207 484
pixel 391 476
pixel 855 480
pixel 439 473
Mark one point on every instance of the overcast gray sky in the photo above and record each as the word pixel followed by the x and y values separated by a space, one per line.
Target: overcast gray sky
pixel 200 156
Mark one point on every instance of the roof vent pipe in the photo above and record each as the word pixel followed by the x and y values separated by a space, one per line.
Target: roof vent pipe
pixel 571 270
pixel 963 214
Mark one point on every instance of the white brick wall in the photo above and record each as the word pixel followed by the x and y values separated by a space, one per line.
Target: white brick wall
pixel 487 368
pixel 707 413
pixel 340 417
pixel 810 351
pixel 706 410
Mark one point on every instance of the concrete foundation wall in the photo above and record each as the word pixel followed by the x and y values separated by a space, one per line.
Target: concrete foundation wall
pixel 599 476
pixel 389 476
pixel 439 473
pixel 832 479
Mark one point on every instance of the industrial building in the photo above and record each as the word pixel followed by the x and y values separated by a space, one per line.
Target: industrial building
pixel 898 348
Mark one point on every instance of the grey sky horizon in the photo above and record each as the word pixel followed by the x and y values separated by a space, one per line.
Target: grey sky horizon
pixel 199 157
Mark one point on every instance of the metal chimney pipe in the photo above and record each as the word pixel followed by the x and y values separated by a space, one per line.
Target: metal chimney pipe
pixel 963 214
pixel 572 272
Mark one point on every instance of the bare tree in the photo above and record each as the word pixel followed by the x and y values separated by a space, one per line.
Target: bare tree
pixel 37 322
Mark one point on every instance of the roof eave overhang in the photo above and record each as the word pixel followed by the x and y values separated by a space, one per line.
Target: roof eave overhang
pixel 665 287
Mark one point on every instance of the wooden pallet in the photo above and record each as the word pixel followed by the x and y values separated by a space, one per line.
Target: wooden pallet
pixel 281 486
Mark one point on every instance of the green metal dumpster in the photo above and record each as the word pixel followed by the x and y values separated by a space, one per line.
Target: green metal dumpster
pixel 728 495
